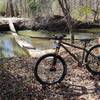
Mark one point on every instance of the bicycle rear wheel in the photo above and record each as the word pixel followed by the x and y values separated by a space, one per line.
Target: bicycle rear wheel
pixel 50 69
pixel 93 60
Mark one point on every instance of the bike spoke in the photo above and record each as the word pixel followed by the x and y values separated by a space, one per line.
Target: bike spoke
pixel 94 60
pixel 44 71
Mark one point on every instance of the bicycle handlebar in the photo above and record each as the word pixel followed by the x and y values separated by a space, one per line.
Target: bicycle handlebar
pixel 59 37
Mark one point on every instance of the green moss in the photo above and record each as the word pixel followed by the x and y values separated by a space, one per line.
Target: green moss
pixel 81 13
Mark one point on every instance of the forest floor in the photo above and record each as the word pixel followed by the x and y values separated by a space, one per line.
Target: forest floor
pixel 17 82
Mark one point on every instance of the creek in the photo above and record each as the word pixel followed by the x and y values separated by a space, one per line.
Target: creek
pixel 9 47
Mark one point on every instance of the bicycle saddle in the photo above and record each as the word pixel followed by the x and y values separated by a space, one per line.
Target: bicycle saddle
pixel 85 40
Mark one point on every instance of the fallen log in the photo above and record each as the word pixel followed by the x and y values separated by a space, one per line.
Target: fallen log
pixel 19 23
pixel 4 27
pixel 55 23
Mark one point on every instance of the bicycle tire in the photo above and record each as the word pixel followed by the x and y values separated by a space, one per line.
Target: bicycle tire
pixel 41 81
pixel 96 59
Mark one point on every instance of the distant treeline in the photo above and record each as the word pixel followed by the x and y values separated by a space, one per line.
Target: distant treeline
pixel 79 9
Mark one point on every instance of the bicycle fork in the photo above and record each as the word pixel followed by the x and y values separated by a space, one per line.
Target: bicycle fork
pixel 54 62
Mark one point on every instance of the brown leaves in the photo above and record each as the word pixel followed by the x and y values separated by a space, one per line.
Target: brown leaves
pixel 17 82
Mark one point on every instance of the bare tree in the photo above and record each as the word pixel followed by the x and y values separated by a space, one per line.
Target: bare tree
pixel 66 11
pixel 9 8
pixel 96 11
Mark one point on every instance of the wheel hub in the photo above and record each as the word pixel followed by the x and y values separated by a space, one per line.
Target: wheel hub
pixel 53 69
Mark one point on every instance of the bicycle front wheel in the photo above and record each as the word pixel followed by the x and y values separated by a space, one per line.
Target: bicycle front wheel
pixel 93 60
pixel 50 69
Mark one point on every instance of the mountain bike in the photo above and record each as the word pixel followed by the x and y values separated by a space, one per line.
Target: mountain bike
pixel 51 68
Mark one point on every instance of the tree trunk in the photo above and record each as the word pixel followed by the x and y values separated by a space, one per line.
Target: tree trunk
pixel 66 11
pixel 9 9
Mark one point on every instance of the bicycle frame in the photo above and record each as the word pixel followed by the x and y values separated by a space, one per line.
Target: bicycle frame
pixel 62 43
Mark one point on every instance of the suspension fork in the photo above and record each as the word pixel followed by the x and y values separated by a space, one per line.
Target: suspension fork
pixel 56 53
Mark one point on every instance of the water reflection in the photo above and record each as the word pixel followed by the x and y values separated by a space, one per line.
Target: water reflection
pixel 86 35
pixel 9 48
pixel 45 44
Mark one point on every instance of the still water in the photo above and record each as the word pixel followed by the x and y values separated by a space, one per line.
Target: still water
pixel 9 47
